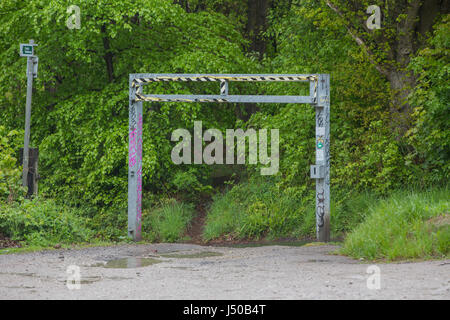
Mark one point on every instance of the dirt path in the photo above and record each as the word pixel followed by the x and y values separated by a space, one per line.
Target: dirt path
pixel 195 230
pixel 270 272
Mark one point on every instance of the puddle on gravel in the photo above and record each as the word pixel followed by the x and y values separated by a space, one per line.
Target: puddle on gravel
pixel 204 254
pixel 128 263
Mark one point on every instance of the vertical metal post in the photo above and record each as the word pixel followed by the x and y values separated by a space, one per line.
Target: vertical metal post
pixel 223 88
pixel 26 143
pixel 33 167
pixel 323 158
pixel 134 165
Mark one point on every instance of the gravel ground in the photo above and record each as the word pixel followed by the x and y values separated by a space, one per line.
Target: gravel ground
pixel 268 272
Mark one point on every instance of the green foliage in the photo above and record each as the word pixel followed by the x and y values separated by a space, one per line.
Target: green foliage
pixel 256 209
pixel 348 209
pixel 80 103
pixel 109 223
pixel 167 222
pixel 10 173
pixel 187 184
pixel 406 225
pixel 80 111
pixel 364 151
pixel 389 46
pixel 43 222
pixel 266 208
pixel 430 136
pixel 296 131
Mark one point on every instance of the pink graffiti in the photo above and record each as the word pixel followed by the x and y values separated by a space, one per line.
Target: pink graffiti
pixel 132 148
pixel 139 177
pixel 139 134
pixel 139 201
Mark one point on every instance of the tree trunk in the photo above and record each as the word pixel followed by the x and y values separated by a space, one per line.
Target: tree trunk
pixel 401 84
pixel 108 57
pixel 257 24
pixel 410 21
pixel 420 18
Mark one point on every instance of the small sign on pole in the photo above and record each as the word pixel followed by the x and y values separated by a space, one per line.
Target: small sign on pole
pixel 26 49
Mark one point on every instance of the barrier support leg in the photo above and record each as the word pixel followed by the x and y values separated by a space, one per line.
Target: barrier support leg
pixel 321 171
pixel 134 166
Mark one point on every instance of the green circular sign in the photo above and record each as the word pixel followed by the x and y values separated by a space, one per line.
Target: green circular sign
pixel 320 143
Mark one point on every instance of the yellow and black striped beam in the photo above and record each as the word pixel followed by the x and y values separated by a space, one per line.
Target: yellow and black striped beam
pixel 141 97
pixel 212 78
pixel 140 80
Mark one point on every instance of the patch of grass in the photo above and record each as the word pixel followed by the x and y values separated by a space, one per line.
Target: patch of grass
pixel 43 223
pixel 261 208
pixel 407 225
pixel 224 217
pixel 349 209
pixel 167 222
pixel 256 209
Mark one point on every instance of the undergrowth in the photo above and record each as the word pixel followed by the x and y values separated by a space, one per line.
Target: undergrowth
pixel 406 225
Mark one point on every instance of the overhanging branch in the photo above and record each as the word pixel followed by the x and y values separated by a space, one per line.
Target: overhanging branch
pixel 359 40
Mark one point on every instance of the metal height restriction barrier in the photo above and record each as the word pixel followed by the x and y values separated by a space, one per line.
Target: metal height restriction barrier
pixel 319 98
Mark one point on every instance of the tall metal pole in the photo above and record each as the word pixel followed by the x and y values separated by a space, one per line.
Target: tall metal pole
pixel 323 159
pixel 26 143
pixel 134 166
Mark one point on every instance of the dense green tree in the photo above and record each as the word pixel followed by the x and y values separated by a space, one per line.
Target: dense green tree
pixel 405 26
pixel 364 152
pixel 430 135
pixel 80 102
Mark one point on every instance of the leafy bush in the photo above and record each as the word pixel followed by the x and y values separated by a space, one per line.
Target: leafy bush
pixel 43 222
pixel 430 135
pixel 109 223
pixel 405 225
pixel 167 222
pixel 10 173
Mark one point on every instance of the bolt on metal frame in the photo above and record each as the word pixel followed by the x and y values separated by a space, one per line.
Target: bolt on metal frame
pixel 319 98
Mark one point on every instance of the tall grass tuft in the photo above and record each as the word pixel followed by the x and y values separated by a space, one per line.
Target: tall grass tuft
pixel 256 209
pixel 406 225
pixel 260 208
pixel 167 222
